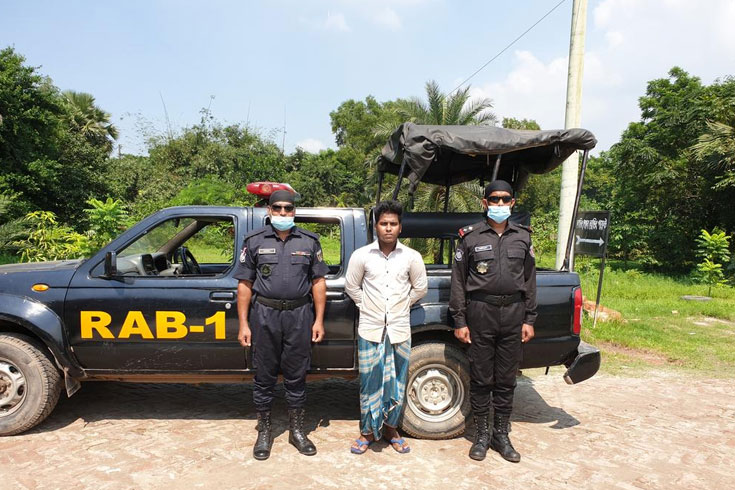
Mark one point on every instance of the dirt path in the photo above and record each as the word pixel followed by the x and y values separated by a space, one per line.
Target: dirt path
pixel 661 431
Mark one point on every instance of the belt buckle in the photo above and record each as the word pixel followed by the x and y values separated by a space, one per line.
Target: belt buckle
pixel 283 304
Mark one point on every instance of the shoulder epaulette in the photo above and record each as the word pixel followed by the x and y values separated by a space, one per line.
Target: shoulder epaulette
pixel 468 229
pixel 256 232
pixel 525 227
pixel 310 234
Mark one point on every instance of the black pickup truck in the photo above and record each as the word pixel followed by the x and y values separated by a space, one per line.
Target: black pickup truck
pixel 158 304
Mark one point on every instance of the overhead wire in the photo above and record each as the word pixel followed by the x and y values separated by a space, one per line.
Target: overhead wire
pixel 508 46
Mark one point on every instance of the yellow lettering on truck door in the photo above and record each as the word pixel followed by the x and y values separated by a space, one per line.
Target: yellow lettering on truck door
pixel 170 325
pixel 135 324
pixel 95 320
pixel 219 324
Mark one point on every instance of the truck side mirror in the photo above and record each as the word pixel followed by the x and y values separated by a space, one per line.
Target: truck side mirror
pixel 110 264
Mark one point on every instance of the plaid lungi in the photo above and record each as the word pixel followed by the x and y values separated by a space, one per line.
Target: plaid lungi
pixel 383 372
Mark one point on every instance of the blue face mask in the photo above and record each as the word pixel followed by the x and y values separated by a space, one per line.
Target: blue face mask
pixel 498 213
pixel 282 223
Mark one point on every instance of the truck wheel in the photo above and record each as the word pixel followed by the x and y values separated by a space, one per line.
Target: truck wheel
pixel 30 384
pixel 437 392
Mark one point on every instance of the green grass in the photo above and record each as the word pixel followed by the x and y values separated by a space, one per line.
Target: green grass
pixel 659 328
pixel 331 249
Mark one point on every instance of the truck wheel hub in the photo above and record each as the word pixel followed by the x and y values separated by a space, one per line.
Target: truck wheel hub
pixel 12 388
pixel 435 393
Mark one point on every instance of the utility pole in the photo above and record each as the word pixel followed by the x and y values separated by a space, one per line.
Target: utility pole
pixel 572 119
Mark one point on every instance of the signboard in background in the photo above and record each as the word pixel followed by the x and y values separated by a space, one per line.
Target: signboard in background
pixel 591 232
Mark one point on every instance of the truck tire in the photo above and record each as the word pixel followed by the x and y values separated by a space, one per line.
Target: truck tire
pixel 30 384
pixel 437 392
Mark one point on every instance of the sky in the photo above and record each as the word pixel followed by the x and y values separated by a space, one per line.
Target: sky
pixel 156 64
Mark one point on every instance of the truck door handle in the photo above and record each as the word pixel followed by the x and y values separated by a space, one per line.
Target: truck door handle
pixel 225 296
pixel 335 295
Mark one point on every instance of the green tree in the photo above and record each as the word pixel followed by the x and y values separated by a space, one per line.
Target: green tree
pixel 456 108
pixel 716 147
pixel 12 230
pixel 663 195
pixel 91 121
pixel 354 123
pixel 513 123
pixel 194 159
pixel 106 220
pixel 49 240
pixel 331 178
pixel 44 161
pixel 714 250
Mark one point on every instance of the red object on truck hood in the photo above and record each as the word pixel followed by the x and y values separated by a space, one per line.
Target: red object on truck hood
pixel 265 189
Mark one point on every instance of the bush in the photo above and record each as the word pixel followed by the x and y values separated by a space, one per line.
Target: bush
pixel 47 240
pixel 713 248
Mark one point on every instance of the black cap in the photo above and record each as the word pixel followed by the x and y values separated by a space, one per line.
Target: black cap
pixel 498 185
pixel 281 196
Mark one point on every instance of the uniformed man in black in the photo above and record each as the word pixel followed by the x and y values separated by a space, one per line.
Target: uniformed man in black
pixel 493 302
pixel 279 266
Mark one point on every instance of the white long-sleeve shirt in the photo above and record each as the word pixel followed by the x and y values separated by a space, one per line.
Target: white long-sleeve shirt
pixel 384 288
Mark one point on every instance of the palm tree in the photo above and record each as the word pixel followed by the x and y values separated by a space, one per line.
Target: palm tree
pixel 456 108
pixel 439 108
pixel 716 149
pixel 91 121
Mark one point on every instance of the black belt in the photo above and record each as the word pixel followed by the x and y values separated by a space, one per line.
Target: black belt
pixel 496 299
pixel 283 304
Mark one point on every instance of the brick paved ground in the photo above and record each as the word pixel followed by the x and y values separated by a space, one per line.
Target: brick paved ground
pixel 652 432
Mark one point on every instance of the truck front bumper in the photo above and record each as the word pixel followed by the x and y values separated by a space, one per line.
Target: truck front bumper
pixel 584 365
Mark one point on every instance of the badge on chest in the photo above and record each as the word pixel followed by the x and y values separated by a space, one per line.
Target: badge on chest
pixel 482 267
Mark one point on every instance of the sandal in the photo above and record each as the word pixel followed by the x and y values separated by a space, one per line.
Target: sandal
pixel 362 446
pixel 401 441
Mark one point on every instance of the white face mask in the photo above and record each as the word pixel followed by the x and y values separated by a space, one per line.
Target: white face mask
pixel 498 213
pixel 282 223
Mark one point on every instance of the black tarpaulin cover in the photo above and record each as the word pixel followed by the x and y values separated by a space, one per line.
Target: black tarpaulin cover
pixel 454 154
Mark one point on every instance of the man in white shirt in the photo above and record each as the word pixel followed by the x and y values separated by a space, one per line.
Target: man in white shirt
pixel 384 279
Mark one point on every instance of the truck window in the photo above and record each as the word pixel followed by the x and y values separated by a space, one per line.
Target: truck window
pixel 330 236
pixel 181 246
pixel 432 251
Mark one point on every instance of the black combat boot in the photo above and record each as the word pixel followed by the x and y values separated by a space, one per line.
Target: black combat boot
pixel 500 441
pixel 482 438
pixel 296 434
pixel 262 447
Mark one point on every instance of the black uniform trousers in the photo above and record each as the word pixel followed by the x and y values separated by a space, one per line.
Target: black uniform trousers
pixel 281 341
pixel 495 354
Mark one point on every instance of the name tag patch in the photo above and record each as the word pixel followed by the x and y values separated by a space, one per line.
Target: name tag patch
pixel 301 253
pixel 483 248
pixel 266 251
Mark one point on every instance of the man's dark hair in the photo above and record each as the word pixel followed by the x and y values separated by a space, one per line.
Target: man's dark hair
pixel 389 206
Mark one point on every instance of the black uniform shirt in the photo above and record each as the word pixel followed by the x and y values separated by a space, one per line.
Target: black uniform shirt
pixel 281 269
pixel 493 264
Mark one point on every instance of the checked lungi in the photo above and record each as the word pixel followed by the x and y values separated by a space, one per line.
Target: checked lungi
pixel 383 372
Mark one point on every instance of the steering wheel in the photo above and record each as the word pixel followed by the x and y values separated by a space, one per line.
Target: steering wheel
pixel 189 264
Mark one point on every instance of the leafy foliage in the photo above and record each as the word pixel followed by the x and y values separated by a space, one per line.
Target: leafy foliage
pixel 513 123
pixel 91 121
pixel 711 274
pixel 662 194
pixel 106 220
pixel 45 161
pixel 47 240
